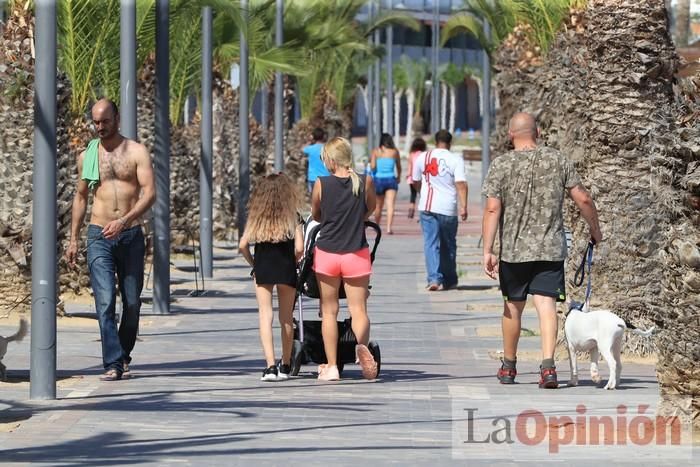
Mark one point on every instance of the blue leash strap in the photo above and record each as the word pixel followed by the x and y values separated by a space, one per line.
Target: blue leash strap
pixel 586 264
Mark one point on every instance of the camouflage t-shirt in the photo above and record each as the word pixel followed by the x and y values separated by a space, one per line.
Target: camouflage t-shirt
pixel 531 185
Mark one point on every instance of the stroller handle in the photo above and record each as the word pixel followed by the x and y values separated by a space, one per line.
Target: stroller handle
pixel 306 262
pixel 374 226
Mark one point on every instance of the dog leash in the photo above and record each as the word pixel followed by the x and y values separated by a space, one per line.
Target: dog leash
pixel 586 263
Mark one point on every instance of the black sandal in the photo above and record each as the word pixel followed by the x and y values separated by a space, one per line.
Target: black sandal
pixel 111 375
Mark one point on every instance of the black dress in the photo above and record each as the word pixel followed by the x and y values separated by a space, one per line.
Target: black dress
pixel 275 263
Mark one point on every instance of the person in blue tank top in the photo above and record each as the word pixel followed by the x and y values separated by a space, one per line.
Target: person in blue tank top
pixel 386 165
pixel 313 153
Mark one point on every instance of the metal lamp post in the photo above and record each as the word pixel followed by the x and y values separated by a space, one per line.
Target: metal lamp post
pixel 161 209
pixel 206 211
pixel 244 154
pixel 42 373
pixel 279 90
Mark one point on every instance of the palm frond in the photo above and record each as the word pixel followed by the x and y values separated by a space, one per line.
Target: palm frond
pixel 145 30
pixel 185 61
pixel 465 23
pixel 88 40
pixel 544 18
pixel 391 17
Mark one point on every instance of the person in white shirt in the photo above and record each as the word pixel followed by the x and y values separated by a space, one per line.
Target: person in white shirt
pixel 439 176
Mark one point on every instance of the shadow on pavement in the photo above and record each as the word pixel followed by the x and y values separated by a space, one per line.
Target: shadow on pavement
pixel 118 448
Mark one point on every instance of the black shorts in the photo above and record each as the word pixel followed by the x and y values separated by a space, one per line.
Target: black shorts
pixel 517 280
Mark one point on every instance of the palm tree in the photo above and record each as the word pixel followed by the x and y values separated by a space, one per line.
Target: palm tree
pixel 682 23
pixel 452 76
pixel 264 57
pixel 615 115
pixel 338 52
pixel 401 84
pixel 443 90
pixel 543 19
pixel 16 152
pixel 417 73
pixel 88 39
pixel 16 128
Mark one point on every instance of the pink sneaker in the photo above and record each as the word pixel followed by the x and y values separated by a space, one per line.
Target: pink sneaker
pixel 369 366
pixel 328 373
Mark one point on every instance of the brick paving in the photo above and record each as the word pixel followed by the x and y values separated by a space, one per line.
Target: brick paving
pixel 196 398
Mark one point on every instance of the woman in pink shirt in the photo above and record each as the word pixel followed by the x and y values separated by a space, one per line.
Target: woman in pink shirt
pixel 418 146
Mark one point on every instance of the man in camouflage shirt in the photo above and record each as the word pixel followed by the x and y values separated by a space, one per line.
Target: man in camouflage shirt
pixel 525 191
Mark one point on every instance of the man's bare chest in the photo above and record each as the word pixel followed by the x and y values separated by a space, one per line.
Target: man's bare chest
pixel 116 167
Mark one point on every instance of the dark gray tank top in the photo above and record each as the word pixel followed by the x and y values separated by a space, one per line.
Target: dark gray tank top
pixel 342 216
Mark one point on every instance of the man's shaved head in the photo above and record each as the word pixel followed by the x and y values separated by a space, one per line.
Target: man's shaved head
pixel 105 116
pixel 522 123
pixel 105 104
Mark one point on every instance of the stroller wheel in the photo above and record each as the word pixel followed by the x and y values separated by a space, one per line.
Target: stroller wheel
pixel 376 353
pixel 297 354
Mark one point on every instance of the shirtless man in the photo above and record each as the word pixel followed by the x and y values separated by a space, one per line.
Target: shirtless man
pixel 124 191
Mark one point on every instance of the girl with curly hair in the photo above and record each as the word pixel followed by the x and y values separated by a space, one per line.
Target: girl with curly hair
pixel 273 226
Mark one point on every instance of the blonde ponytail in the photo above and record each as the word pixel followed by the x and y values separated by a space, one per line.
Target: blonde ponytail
pixel 355 182
pixel 339 151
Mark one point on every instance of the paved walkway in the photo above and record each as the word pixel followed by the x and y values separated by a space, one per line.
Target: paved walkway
pixel 196 398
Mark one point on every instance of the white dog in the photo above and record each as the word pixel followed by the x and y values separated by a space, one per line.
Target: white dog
pixel 600 332
pixel 18 336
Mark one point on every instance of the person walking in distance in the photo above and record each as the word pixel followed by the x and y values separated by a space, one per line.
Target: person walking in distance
pixel 119 173
pixel 524 192
pixel 342 202
pixel 312 152
pixel 386 166
pixel 438 175
pixel 418 146
pixel 274 226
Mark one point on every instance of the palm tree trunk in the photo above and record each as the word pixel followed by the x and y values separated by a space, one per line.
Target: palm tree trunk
pixel 443 105
pixel 453 108
pixel 481 93
pixel 397 116
pixel 614 114
pixel 365 97
pixel 410 101
pixel 682 23
pixel 385 106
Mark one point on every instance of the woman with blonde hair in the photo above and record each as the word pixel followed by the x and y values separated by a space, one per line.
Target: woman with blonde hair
pixel 273 226
pixel 341 202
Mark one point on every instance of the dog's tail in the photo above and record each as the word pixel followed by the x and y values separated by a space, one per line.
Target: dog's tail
pixel 21 332
pixel 635 330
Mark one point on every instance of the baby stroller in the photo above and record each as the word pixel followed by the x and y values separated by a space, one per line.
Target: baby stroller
pixel 308 340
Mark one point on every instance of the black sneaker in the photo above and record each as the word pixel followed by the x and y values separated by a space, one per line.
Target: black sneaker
pixel 269 374
pixel 548 378
pixel 506 375
pixel 283 370
pixel 126 373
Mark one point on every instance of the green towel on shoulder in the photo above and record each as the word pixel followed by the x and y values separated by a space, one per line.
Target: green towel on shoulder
pixel 91 165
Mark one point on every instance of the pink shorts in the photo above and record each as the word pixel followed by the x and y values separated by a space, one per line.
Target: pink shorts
pixel 355 264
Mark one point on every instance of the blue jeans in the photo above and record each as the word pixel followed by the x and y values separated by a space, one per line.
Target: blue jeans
pixel 123 257
pixel 440 247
